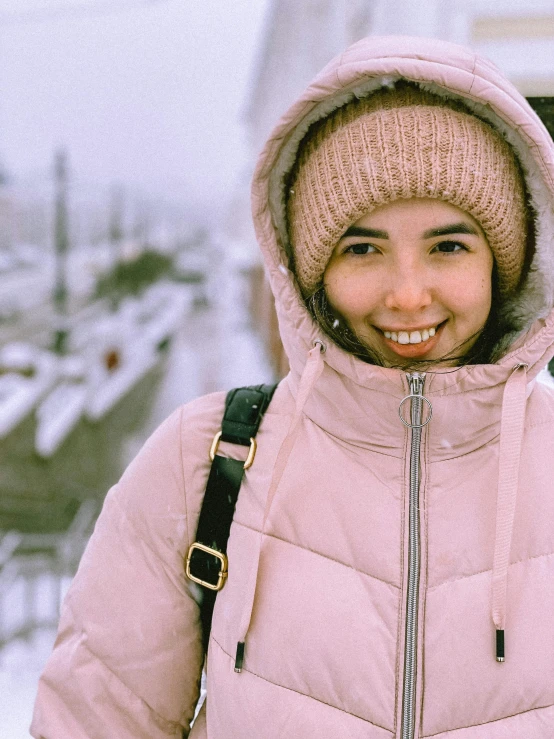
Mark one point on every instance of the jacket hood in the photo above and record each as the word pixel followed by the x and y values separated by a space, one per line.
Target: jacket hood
pixel 445 69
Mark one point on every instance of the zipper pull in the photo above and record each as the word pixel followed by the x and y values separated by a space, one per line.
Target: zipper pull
pixel 416 382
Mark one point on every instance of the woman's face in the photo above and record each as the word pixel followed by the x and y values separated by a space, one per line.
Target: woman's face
pixel 413 280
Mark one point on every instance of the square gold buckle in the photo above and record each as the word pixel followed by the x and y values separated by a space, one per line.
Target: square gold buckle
pixel 218 555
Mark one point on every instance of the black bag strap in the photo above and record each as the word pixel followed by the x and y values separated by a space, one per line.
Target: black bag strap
pixel 207 556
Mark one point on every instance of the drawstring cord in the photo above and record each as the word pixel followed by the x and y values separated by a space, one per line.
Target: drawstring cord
pixel 511 435
pixel 310 375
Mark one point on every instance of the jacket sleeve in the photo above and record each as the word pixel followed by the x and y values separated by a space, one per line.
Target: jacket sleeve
pixel 127 660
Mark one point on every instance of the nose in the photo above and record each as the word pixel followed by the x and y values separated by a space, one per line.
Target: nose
pixel 408 290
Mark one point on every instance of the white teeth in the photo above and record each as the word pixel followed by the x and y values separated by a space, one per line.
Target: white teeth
pixel 410 337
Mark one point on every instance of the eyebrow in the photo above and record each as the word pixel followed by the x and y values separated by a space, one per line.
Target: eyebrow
pixel 454 228
pixel 372 233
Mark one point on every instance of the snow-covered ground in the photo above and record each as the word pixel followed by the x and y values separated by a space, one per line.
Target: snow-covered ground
pixel 20 666
pixel 21 662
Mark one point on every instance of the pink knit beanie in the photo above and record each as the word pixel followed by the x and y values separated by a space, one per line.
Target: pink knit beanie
pixel 403 143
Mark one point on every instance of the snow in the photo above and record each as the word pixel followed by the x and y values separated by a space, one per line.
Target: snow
pixel 115 388
pixel 19 394
pixel 221 351
pixel 22 661
pixel 20 667
pixel 57 415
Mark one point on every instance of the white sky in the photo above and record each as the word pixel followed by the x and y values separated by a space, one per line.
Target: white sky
pixel 150 95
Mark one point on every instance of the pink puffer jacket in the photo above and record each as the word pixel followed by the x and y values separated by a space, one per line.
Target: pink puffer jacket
pixel 370 563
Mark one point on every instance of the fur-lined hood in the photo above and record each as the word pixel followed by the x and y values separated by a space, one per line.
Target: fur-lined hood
pixel 444 69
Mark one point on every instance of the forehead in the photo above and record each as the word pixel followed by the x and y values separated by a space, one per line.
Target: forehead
pixel 416 212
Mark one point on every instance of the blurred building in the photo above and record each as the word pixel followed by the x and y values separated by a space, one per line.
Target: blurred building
pixel 518 35
pixel 300 38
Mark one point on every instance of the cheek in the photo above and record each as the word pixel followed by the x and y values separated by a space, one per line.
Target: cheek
pixel 349 296
pixel 469 293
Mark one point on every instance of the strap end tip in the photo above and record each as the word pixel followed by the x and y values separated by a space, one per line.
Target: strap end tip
pixel 500 655
pixel 239 658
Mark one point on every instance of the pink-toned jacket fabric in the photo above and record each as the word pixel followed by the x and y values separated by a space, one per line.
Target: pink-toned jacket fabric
pixel 318 553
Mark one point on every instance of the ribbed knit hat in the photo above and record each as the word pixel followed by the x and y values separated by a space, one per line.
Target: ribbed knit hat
pixel 403 143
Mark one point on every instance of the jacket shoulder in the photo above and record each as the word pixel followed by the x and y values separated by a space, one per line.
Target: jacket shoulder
pixel 129 627
pixel 540 409
pixel 167 476
pixel 170 472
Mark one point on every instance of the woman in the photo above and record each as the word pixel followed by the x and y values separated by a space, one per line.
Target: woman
pixel 392 550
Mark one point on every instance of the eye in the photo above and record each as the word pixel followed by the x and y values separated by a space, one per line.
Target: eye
pixel 359 249
pixel 449 247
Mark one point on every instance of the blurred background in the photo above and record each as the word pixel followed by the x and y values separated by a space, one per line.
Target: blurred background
pixel 130 280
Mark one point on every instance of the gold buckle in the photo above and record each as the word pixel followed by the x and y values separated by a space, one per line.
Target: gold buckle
pixel 222 572
pixel 251 452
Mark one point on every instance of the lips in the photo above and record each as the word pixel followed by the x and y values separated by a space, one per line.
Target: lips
pixel 413 343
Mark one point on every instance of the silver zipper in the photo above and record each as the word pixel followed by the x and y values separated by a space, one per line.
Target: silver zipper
pixel 416 382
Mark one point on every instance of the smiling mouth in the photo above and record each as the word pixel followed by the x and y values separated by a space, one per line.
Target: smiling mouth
pixel 412 337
